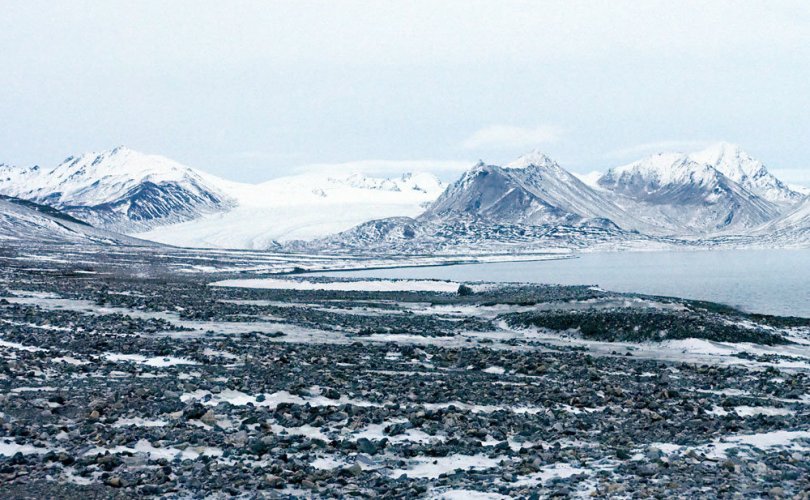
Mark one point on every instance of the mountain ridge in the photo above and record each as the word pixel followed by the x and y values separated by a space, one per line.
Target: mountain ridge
pixel 719 192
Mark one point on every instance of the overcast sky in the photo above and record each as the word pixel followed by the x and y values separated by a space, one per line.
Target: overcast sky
pixel 254 90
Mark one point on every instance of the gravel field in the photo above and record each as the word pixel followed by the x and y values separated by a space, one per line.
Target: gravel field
pixel 122 374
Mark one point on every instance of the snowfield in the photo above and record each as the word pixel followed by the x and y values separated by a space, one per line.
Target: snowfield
pixel 304 207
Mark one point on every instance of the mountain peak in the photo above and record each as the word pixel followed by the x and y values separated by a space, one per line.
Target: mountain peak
pixel 535 158
pixel 722 153
pixel 736 164
pixel 664 167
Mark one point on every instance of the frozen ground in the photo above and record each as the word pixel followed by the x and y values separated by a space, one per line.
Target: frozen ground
pixel 122 374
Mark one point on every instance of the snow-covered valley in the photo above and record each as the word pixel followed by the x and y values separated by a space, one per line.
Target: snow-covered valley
pixel 301 207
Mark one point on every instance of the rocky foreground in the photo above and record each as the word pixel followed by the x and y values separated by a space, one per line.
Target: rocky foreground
pixel 120 377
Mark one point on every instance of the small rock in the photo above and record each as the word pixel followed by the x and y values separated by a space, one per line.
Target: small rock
pixel 209 418
pixel 366 446
pixel 354 470
pixel 273 481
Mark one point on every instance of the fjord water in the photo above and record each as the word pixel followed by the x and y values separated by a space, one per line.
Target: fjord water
pixel 762 281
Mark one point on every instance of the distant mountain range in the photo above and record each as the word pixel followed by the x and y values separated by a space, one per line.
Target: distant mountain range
pixel 159 199
pixel 717 196
pixel 720 196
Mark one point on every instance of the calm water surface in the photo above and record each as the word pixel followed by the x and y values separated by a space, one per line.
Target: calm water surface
pixel 765 281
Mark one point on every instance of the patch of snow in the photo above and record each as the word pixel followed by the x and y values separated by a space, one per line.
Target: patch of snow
pixel 462 494
pixel 154 453
pixel 238 398
pixel 718 448
pixel 70 360
pixel 9 448
pixel 21 347
pixel 156 361
pixel 344 286
pixel 304 430
pixel 139 422
pixel 549 472
pixel 750 411
pixel 432 468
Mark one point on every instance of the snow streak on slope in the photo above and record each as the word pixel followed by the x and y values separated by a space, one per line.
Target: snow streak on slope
pixel 739 166
pixel 301 207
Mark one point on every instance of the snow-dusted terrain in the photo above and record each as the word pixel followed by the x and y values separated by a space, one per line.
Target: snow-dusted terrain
pixel 718 196
pixel 22 221
pixel 125 376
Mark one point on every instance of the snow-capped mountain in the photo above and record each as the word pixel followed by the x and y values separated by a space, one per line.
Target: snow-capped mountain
pixel 120 189
pixel 532 203
pixel 532 190
pixel 721 192
pixel 529 204
pixel 305 206
pixel 25 221
pixel 678 193
pixel 751 174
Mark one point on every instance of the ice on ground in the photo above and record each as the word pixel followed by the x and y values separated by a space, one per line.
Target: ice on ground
pixel 157 361
pixel 345 286
pixel 496 370
pixel 433 467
